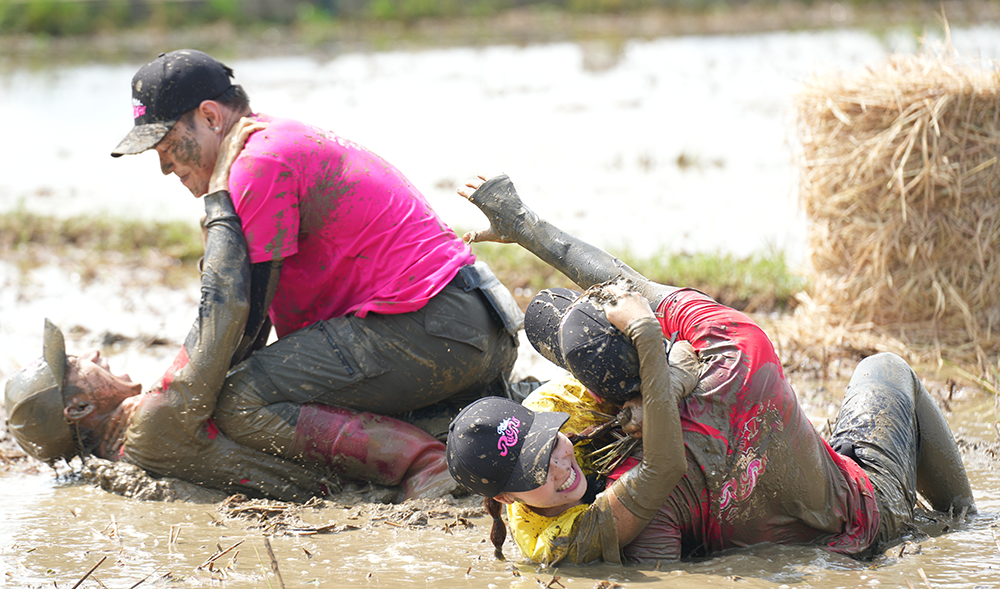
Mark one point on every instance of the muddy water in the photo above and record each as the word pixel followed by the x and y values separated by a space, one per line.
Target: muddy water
pixel 663 125
pixel 54 531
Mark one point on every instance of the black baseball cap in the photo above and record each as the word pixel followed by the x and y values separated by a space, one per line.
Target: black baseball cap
pixel 166 88
pixel 498 446
pixel 542 318
pixel 573 331
pixel 597 353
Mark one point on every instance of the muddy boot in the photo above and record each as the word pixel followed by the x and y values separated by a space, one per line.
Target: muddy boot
pixel 369 447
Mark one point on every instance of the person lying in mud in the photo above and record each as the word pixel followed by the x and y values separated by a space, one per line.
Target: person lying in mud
pixel 729 458
pixel 377 305
pixel 62 406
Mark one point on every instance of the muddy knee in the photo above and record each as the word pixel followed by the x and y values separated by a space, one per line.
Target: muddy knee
pixel 887 372
pixel 244 413
pixel 884 380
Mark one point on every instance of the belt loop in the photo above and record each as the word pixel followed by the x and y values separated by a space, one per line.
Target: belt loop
pixel 470 278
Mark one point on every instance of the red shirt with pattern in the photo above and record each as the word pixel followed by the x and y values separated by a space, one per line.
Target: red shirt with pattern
pixel 758 471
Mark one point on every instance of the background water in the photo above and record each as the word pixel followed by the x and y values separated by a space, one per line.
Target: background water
pixel 591 133
pixel 594 136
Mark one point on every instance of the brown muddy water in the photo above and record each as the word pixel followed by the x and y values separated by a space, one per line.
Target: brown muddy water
pixel 663 126
pixel 55 529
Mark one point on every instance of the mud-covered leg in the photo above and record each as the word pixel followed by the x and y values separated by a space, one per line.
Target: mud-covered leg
pixel 877 428
pixel 880 427
pixel 368 447
pixel 941 476
pixel 513 222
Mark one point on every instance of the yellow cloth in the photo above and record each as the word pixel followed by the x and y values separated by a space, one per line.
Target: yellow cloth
pixel 546 539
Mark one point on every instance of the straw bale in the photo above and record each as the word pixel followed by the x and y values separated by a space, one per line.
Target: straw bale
pixel 900 182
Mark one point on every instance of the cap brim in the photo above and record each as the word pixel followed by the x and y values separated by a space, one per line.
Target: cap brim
pixel 532 467
pixel 34 402
pixel 143 137
pixel 54 351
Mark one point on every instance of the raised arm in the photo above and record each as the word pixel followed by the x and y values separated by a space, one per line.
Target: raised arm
pixel 225 290
pixel 511 221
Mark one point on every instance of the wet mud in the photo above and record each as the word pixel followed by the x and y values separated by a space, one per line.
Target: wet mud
pixel 166 532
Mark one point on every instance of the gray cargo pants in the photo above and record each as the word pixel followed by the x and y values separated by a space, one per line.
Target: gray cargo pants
pixel 455 348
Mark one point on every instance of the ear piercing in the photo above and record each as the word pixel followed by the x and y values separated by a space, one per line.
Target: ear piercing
pixel 216 129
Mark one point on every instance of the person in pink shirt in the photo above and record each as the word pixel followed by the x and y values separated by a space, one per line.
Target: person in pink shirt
pixel 377 305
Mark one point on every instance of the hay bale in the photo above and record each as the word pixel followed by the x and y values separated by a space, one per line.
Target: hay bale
pixel 900 182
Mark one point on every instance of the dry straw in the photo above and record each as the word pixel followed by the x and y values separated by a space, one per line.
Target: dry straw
pixel 901 185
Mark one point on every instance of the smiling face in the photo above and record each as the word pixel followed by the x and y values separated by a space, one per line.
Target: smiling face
pixel 189 151
pixel 564 487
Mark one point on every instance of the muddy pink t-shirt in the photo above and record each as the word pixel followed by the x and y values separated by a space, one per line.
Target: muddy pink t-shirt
pixel 355 235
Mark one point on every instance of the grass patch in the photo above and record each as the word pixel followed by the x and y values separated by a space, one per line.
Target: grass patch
pixel 20 230
pixel 760 283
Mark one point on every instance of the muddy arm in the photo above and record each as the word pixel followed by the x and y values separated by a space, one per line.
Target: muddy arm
pixel 640 493
pixel 511 221
pixel 263 284
pixel 622 512
pixel 170 433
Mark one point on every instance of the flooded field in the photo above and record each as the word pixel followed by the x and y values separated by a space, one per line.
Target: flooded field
pixel 680 144
pixel 54 531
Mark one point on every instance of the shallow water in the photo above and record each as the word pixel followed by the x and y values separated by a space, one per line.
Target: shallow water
pixel 54 533
pixel 593 137
pixel 590 133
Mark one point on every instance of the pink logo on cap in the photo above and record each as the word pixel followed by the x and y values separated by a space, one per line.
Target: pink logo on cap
pixel 138 108
pixel 509 430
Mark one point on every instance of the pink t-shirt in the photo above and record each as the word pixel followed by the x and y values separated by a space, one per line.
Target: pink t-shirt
pixel 355 235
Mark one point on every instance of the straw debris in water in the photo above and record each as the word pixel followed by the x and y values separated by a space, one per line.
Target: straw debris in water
pixel 901 185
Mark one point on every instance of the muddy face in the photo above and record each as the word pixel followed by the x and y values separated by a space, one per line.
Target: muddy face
pixel 189 152
pixel 564 486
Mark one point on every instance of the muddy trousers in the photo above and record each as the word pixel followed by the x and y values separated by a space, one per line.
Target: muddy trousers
pixel 454 349
pixel 893 429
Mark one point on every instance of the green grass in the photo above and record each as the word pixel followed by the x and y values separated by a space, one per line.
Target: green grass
pixel 760 283
pixel 74 17
pixel 21 230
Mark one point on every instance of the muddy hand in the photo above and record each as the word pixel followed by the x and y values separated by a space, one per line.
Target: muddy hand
pixel 232 145
pixel 633 426
pixel 625 307
pixel 118 422
pixel 498 200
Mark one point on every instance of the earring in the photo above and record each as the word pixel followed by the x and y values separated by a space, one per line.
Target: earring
pixel 216 129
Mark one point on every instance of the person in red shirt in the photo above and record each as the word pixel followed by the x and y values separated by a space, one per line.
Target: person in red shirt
pixel 754 468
